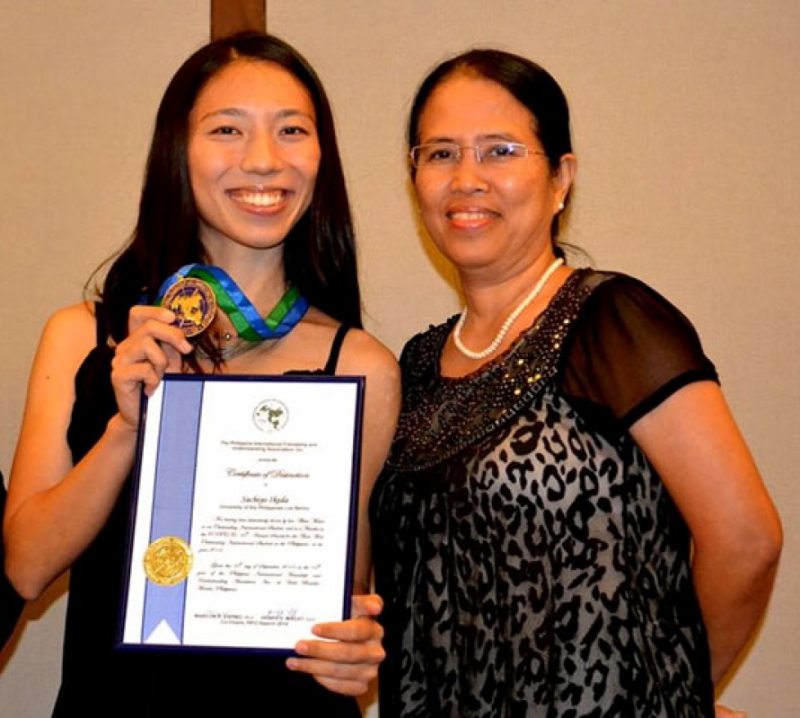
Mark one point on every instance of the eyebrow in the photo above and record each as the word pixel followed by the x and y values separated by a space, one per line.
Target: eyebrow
pixel 499 136
pixel 239 112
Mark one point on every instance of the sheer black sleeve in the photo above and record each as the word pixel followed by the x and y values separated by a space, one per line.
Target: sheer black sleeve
pixel 629 350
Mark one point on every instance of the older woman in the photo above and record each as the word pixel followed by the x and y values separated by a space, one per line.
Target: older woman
pixel 570 523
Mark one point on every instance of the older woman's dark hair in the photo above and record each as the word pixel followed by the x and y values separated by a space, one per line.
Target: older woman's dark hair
pixel 319 253
pixel 530 84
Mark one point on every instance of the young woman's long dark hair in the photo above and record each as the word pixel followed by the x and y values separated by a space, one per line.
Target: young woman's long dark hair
pixel 319 253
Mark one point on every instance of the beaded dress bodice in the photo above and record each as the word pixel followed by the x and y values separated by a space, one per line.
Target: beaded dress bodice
pixel 449 414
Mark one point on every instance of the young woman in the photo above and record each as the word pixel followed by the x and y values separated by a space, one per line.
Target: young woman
pixel 244 177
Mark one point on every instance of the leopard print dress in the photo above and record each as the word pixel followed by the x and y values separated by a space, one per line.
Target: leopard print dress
pixel 531 561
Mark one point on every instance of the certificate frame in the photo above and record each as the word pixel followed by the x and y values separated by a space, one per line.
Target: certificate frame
pixel 244 508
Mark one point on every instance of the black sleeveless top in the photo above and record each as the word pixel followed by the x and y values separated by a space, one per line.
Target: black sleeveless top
pixel 97 679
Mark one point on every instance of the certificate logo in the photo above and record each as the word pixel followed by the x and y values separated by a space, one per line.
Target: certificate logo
pixel 270 415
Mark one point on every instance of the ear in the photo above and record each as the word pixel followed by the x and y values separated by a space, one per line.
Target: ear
pixel 564 175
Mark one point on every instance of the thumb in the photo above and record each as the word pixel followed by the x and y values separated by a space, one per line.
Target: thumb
pixel 367 605
pixel 174 358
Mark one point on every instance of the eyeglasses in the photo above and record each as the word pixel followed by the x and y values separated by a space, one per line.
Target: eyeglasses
pixel 447 154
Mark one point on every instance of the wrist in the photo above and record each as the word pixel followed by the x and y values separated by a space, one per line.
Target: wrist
pixel 118 429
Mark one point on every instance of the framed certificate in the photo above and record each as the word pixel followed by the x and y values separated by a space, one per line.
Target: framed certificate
pixel 244 509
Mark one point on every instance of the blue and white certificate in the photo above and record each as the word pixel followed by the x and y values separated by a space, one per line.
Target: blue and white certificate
pixel 244 511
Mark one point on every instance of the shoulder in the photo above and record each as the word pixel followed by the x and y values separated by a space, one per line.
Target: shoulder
pixel 75 316
pixel 68 337
pixel 609 285
pixel 629 348
pixel 70 331
pixel 427 345
pixel 362 353
pixel 617 302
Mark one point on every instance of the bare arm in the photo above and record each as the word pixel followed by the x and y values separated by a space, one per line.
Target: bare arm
pixel 56 509
pixel 349 662
pixel 364 356
pixel 694 444
pixel 49 519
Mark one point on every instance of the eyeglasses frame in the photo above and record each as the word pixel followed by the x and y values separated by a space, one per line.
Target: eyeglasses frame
pixel 479 155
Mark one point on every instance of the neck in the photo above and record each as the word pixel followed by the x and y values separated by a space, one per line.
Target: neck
pixel 259 275
pixel 488 298
pixel 525 306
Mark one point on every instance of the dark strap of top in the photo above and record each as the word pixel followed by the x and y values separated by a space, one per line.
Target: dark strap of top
pixel 101 326
pixel 333 357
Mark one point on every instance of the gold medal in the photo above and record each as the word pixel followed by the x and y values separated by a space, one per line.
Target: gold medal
pixel 168 561
pixel 194 305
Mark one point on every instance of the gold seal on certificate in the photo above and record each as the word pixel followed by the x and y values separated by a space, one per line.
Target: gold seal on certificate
pixel 168 561
pixel 194 304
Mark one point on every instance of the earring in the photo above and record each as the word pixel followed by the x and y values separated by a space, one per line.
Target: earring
pixel 561 207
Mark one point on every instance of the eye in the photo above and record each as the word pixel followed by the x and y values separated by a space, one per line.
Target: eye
pixel 504 150
pixel 294 132
pixel 226 130
pixel 439 154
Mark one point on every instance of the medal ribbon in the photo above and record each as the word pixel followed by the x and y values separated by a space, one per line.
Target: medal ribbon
pixel 243 315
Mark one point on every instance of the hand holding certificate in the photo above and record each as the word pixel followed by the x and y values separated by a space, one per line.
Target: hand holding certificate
pixel 244 514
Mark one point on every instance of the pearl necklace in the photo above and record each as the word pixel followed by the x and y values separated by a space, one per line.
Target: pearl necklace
pixel 507 324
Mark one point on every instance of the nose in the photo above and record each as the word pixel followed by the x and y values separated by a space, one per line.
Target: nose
pixel 261 154
pixel 468 173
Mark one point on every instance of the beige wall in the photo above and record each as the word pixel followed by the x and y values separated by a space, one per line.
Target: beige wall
pixel 686 126
pixel 80 82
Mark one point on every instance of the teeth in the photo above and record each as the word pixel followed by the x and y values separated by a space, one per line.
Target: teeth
pixel 468 216
pixel 259 199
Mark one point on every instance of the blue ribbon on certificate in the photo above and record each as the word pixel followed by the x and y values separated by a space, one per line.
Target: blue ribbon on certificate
pixel 173 497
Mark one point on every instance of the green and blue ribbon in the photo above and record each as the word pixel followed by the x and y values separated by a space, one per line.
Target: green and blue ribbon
pixel 243 315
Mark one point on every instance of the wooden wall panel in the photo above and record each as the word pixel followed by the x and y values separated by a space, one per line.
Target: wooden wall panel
pixel 230 16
